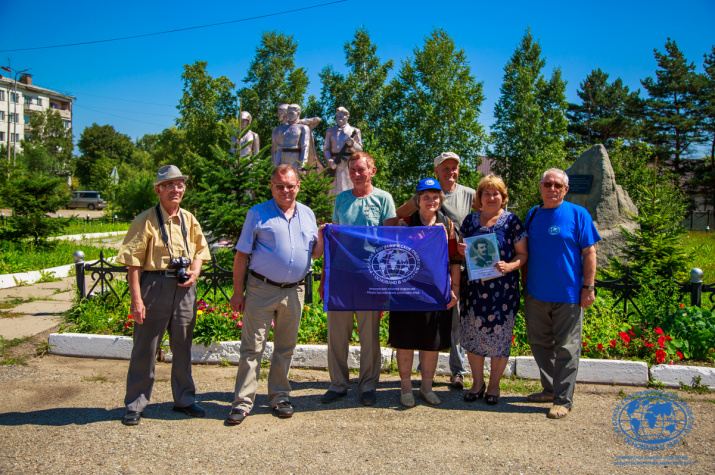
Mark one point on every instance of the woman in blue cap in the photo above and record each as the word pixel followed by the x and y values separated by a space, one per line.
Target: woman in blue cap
pixel 428 332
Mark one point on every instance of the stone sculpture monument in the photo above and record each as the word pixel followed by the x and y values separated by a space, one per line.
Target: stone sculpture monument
pixel 291 140
pixel 592 184
pixel 311 123
pixel 249 144
pixel 341 141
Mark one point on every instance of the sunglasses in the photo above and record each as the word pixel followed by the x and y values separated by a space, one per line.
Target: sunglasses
pixel 549 184
pixel 284 187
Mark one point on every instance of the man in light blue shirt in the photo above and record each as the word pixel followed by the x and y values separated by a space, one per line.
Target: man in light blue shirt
pixel 364 205
pixel 281 236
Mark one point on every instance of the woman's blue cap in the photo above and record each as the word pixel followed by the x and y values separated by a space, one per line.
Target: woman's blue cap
pixel 428 184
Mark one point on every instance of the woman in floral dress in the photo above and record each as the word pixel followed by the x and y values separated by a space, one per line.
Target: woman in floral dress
pixel 489 307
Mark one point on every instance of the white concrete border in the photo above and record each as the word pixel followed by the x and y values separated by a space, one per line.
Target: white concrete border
pixel 673 375
pixel 633 373
pixel 30 277
pixel 84 237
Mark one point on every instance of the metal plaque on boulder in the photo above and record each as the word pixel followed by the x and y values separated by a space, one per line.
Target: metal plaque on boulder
pixel 580 184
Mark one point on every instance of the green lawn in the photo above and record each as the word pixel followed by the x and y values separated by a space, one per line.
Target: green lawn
pixel 23 257
pixel 702 244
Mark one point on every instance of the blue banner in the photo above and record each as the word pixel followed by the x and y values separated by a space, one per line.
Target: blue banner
pixel 386 268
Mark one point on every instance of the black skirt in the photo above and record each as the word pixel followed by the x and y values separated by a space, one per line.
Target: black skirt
pixel 426 331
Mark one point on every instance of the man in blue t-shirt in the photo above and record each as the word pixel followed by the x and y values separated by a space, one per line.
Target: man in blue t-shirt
pixel 560 285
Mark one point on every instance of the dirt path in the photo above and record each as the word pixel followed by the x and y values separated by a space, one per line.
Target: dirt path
pixel 61 415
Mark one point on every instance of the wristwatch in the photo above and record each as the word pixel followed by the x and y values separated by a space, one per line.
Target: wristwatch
pixel 589 287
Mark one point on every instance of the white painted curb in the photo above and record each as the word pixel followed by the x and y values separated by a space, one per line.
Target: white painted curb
pixel 633 373
pixel 84 237
pixel 673 375
pixel 8 280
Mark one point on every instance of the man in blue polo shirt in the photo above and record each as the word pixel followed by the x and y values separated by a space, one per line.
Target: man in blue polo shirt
pixel 560 285
pixel 281 236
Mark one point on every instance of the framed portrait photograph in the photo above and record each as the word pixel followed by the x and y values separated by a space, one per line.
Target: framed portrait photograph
pixel 481 255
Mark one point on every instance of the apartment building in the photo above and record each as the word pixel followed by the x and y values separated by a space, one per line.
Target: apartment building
pixel 18 101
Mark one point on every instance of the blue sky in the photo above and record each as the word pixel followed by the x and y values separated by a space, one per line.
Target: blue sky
pixel 135 84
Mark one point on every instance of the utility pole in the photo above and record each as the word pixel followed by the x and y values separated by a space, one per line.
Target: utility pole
pixel 14 97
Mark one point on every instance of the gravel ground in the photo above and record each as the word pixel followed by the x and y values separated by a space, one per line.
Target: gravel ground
pixel 62 415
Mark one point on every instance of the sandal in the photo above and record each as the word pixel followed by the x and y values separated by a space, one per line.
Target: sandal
pixel 407 399
pixel 491 399
pixel 471 397
pixel 558 412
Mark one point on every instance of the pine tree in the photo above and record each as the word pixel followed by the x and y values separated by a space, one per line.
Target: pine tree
pixel 673 120
pixel 229 187
pixel 606 112
pixel 272 79
pixel 530 127
pixel 432 106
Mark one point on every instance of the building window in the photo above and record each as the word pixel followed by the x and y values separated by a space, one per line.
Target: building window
pixel 13 117
pixel 14 137
pixel 2 95
pixel 28 100
pixel 39 101
pixel 27 118
pixel 2 136
pixel 2 114
pixel 54 105
pixel 14 97
pixel 67 123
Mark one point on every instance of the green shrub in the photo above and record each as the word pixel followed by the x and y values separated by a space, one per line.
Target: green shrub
pixel 694 332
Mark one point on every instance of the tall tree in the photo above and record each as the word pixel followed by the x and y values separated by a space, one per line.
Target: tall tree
pixel 606 112
pixel 49 136
pixel 705 171
pixel 205 102
pixel 432 106
pixel 102 149
pixel 361 90
pixel 673 119
pixel 530 128
pixel 272 80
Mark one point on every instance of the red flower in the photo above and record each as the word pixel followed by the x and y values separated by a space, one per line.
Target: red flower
pixel 649 345
pixel 630 332
pixel 512 340
pixel 659 331
pixel 584 343
pixel 613 343
pixel 668 337
pixel 679 354
pixel 682 306
pixel 660 356
pixel 661 342
pixel 600 346
pixel 624 336
pixel 239 324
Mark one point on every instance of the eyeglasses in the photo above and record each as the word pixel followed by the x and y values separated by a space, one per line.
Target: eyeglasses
pixel 172 187
pixel 285 187
pixel 549 184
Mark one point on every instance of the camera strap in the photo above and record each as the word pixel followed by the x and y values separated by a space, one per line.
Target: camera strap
pixel 165 235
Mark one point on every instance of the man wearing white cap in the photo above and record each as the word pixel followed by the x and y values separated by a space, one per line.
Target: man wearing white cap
pixel 457 205
pixel 163 252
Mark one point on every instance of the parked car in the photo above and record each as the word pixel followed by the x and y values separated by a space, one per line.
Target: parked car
pixel 87 199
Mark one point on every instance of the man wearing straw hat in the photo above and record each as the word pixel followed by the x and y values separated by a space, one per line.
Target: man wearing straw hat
pixel 163 252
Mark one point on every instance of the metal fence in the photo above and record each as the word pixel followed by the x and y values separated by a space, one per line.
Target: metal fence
pixel 624 290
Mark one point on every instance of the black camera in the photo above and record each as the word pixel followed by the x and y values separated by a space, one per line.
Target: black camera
pixel 180 264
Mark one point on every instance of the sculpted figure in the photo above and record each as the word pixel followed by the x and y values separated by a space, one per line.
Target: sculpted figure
pixel 312 123
pixel 249 144
pixel 291 141
pixel 341 141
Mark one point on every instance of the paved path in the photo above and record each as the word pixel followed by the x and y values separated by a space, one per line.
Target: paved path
pixel 62 415
pixel 40 308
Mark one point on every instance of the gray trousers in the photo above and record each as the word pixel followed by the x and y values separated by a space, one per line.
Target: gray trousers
pixel 168 308
pixel 340 329
pixel 266 303
pixel 554 331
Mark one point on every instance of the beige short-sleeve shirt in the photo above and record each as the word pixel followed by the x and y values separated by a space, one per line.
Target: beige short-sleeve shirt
pixel 143 246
